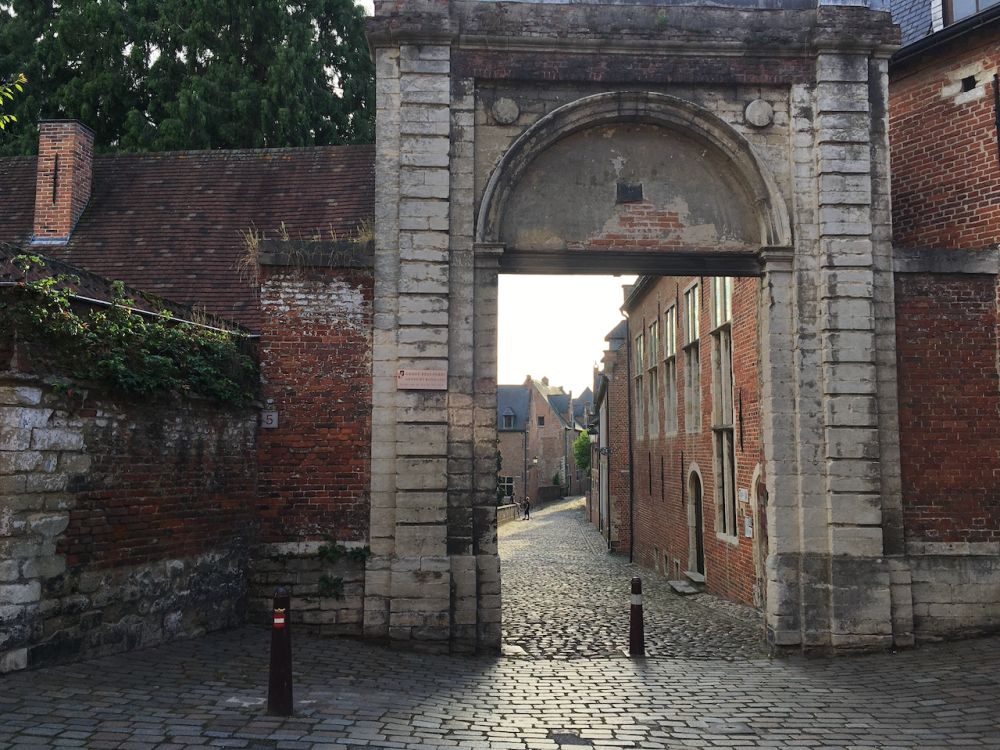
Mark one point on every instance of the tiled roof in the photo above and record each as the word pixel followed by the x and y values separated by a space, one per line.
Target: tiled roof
pixel 512 400
pixel 170 223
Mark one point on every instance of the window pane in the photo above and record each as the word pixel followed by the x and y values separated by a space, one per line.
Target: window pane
pixel 962 9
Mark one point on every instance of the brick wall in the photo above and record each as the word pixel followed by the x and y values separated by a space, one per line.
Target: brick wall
pixel 945 171
pixel 316 373
pixel 949 406
pixel 316 343
pixel 123 524
pixel 662 463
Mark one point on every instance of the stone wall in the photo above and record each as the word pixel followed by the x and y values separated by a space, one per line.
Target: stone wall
pixel 123 523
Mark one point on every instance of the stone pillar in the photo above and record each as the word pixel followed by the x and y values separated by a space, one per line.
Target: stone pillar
pixel 411 571
pixel 859 576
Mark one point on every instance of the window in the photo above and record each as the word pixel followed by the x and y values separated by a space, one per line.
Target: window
pixel 957 10
pixel 506 486
pixel 652 379
pixel 541 421
pixel 670 371
pixel 638 393
pixel 692 359
pixel 724 459
pixel 508 421
pixel 653 403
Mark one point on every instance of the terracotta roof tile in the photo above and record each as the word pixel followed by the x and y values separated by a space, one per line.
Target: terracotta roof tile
pixel 170 223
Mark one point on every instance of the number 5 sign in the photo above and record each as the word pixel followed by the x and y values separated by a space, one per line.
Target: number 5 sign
pixel 268 420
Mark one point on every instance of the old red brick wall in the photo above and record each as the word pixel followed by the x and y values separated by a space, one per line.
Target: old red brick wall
pixel 662 462
pixel 315 348
pixel 945 170
pixel 949 406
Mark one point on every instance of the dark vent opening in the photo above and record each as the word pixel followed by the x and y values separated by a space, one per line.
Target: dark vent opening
pixel 968 83
pixel 629 192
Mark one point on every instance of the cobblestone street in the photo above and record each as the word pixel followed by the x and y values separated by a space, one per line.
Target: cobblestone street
pixel 704 685
pixel 565 597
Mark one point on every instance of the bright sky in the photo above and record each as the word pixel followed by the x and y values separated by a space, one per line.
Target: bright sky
pixel 555 326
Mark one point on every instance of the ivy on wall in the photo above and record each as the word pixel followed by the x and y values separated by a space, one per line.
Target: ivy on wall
pixel 123 349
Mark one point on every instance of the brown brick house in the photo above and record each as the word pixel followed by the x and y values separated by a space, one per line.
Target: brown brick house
pixel 536 425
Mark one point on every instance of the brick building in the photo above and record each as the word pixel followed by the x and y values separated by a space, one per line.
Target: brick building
pixel 608 502
pixel 536 425
pixel 943 128
pixel 696 448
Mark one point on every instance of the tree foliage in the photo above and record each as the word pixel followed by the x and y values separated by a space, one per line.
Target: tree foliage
pixel 123 349
pixel 8 89
pixel 154 75
pixel 581 451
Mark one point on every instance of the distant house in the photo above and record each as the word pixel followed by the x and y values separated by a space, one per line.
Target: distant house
pixel 536 429
pixel 608 500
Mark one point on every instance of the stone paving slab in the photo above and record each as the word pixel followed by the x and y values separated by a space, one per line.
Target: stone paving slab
pixel 566 597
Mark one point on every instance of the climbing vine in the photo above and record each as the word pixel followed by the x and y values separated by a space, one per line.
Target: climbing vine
pixel 125 350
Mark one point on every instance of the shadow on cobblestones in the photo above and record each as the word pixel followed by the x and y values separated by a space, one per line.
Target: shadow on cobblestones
pixel 566 597
pixel 210 693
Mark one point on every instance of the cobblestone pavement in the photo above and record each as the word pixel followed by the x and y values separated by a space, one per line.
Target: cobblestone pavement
pixel 566 597
pixel 209 692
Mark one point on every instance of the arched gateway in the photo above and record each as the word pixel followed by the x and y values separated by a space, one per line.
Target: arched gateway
pixel 652 138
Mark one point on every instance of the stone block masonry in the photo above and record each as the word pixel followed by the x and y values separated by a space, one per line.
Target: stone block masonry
pixel 123 524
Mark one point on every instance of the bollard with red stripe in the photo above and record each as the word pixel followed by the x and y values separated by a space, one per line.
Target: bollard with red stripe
pixel 636 631
pixel 279 685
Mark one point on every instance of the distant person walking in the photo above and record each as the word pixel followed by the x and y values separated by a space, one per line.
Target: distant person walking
pixel 526 508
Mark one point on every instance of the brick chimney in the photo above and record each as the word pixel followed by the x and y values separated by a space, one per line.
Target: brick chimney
pixel 62 187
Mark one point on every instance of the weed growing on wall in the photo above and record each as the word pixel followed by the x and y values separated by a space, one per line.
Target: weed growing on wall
pixel 123 349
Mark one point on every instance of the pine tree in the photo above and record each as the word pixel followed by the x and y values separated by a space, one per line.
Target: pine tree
pixel 154 75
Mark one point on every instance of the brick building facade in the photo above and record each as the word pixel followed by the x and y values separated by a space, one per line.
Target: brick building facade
pixel 696 450
pixel 943 129
pixel 536 427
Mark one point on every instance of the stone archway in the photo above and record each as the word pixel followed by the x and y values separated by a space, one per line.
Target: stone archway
pixel 461 122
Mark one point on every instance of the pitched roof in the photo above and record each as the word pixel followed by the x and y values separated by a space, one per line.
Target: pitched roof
pixel 513 400
pixel 170 223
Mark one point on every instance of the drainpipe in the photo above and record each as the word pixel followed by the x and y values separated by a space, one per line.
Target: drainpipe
pixel 631 464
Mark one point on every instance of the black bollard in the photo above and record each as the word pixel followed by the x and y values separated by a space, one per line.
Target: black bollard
pixel 279 684
pixel 636 631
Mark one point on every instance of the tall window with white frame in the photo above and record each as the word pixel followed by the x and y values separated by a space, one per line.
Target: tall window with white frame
pixel 692 359
pixel 670 371
pixel 724 457
pixel 652 381
pixel 639 396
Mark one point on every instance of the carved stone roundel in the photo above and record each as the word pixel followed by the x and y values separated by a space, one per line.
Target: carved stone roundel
pixel 506 111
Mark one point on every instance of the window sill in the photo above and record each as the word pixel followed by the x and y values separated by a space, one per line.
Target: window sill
pixel 732 541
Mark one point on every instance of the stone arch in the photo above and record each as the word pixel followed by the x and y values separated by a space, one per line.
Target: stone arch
pixel 669 113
